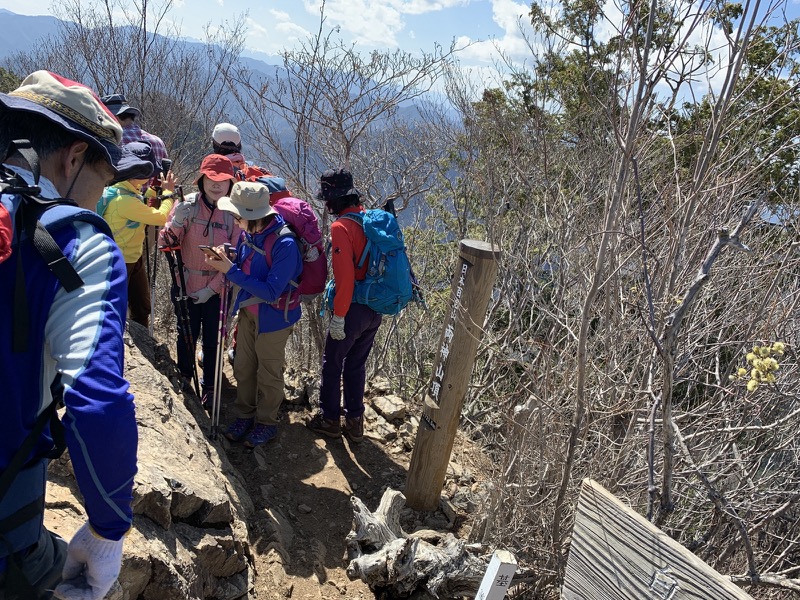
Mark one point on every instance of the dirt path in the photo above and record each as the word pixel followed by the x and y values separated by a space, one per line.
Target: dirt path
pixel 302 484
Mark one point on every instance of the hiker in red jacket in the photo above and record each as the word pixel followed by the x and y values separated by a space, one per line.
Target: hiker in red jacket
pixel 353 326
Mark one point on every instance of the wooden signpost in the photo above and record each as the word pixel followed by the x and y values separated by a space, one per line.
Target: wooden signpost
pixel 616 553
pixel 471 290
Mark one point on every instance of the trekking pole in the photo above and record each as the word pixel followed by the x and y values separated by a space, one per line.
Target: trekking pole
pixel 152 327
pixel 153 231
pixel 147 237
pixel 221 335
pixel 184 323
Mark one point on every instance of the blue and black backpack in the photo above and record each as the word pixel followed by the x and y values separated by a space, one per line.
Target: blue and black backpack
pixel 388 285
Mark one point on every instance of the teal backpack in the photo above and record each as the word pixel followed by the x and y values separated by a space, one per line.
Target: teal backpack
pixel 387 287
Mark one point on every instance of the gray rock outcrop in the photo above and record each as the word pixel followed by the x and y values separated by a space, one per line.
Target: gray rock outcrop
pixel 189 538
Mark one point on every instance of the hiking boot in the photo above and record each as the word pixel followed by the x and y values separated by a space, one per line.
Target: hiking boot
pixel 238 429
pixel 260 434
pixel 354 429
pixel 328 427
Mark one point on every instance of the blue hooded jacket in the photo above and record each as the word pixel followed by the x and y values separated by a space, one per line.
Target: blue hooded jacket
pixel 265 282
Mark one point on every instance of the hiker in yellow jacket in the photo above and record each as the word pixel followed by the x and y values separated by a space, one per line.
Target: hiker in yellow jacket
pixel 126 211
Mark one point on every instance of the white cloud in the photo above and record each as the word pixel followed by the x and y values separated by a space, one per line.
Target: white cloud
pixel 291 32
pixel 376 22
pixel 275 36
pixel 255 29
pixel 512 17
pixel 368 22
pixel 420 7
pixel 279 15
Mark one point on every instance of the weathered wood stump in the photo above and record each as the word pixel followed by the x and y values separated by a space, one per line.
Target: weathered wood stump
pixel 400 565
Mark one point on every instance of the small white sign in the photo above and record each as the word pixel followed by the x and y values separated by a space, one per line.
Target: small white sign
pixel 497 578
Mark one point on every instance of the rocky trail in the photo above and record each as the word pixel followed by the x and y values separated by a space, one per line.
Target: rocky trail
pixel 302 483
pixel 214 520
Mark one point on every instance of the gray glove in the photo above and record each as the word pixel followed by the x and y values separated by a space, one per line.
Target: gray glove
pixel 202 295
pixel 336 328
pixel 312 254
pixel 180 215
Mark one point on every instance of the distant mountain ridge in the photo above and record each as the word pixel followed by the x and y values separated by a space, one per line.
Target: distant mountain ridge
pixel 20 32
pixel 27 30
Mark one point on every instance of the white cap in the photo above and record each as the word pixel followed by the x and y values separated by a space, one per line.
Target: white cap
pixel 225 132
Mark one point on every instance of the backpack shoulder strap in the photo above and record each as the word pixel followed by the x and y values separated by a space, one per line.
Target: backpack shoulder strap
pixel 37 218
pixel 359 218
pixel 270 241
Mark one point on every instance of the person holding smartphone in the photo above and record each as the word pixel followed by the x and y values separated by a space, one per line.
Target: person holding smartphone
pixel 267 266
pixel 193 223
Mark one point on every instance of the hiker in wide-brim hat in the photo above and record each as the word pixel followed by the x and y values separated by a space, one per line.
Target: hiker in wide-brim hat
pixel 126 209
pixel 128 117
pixel 249 201
pixel 267 269
pixel 60 142
pixel 353 326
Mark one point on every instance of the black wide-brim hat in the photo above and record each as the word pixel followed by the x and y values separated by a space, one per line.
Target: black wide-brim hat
pixel 336 183
pixel 118 104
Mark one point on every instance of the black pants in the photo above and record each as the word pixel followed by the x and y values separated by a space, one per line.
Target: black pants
pixel 41 565
pixel 203 316
pixel 138 292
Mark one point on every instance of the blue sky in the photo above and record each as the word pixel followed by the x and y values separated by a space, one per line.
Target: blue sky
pixel 482 26
pixel 411 25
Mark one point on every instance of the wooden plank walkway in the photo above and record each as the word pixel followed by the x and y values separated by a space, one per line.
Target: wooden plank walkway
pixel 616 554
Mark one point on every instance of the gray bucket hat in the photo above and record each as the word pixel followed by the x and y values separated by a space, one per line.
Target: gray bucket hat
pixel 248 200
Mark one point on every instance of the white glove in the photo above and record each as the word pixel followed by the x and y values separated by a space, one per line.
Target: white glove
pixel 336 328
pixel 312 254
pixel 202 295
pixel 91 567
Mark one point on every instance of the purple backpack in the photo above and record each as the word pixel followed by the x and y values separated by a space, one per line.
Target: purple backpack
pixel 303 221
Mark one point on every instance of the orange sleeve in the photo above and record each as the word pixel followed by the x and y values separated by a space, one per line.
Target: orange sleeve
pixel 343 260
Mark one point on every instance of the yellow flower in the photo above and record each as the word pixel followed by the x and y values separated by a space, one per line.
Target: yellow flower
pixel 755 374
pixel 778 347
pixel 752 385
pixel 741 372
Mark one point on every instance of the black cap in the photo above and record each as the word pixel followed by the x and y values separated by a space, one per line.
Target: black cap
pixel 118 104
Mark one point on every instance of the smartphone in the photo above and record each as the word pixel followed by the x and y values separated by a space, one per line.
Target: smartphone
pixel 210 251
